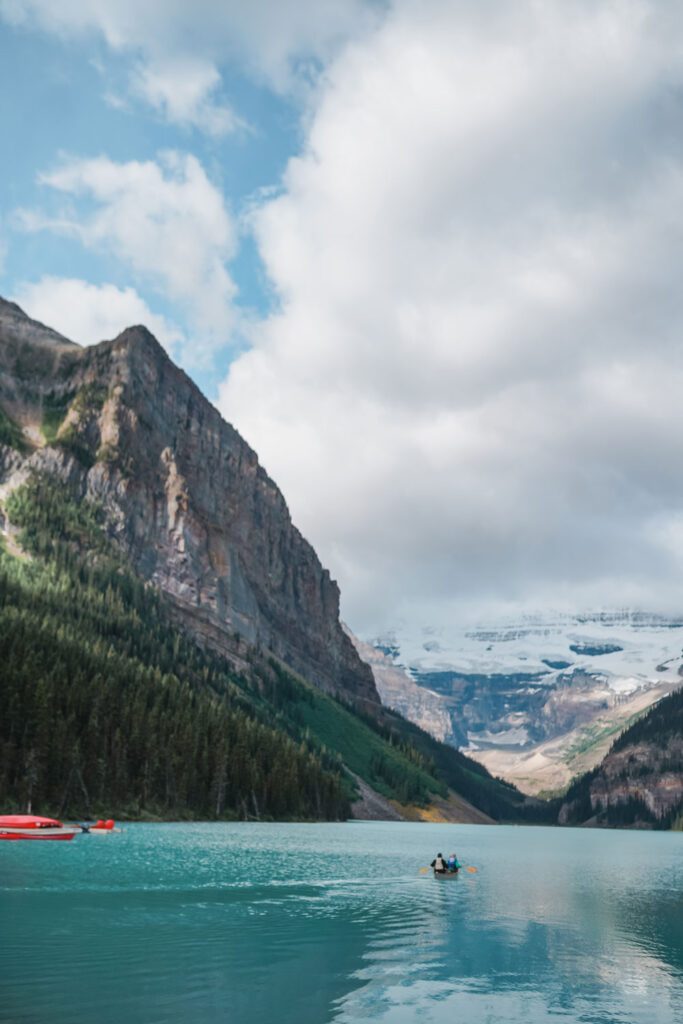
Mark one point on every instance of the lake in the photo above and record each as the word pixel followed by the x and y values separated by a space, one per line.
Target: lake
pixel 280 923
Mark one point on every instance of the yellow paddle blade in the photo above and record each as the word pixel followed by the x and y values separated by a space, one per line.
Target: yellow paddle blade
pixel 422 870
pixel 471 869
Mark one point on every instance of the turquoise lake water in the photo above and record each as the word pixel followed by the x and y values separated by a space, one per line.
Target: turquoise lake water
pixel 332 923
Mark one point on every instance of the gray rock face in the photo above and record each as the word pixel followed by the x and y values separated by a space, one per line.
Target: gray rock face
pixel 184 496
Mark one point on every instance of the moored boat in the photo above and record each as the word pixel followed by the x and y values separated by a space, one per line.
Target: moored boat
pixel 31 826
pixel 103 828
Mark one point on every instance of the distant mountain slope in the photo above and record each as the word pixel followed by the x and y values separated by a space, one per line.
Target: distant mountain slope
pixel 398 691
pixel 538 700
pixel 640 782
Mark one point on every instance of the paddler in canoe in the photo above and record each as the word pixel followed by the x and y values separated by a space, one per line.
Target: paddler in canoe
pixel 445 867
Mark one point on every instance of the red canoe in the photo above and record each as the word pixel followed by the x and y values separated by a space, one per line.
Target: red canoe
pixel 29 826
pixel 103 828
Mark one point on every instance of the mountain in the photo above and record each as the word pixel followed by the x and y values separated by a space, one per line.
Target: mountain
pixel 171 644
pixel 538 700
pixel 183 494
pixel 640 781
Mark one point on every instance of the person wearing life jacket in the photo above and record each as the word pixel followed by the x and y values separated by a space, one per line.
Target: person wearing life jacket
pixel 439 864
pixel 453 864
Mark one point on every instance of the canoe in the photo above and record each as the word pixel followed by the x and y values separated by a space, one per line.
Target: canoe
pixel 30 826
pixel 102 828
pixel 446 874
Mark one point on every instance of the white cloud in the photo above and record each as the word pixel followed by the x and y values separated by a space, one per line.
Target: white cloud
pixel 165 221
pixel 179 47
pixel 88 313
pixel 470 392
pixel 183 91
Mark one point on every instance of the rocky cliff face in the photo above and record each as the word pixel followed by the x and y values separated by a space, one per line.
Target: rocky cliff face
pixel 183 495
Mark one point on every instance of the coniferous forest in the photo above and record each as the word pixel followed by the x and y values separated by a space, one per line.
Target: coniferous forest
pixel 105 707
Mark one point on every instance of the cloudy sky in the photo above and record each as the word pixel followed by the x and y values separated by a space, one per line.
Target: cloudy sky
pixel 426 256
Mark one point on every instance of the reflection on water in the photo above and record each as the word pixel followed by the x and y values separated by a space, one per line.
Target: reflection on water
pixel 333 923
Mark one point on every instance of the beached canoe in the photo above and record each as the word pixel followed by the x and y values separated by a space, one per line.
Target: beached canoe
pixel 30 826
